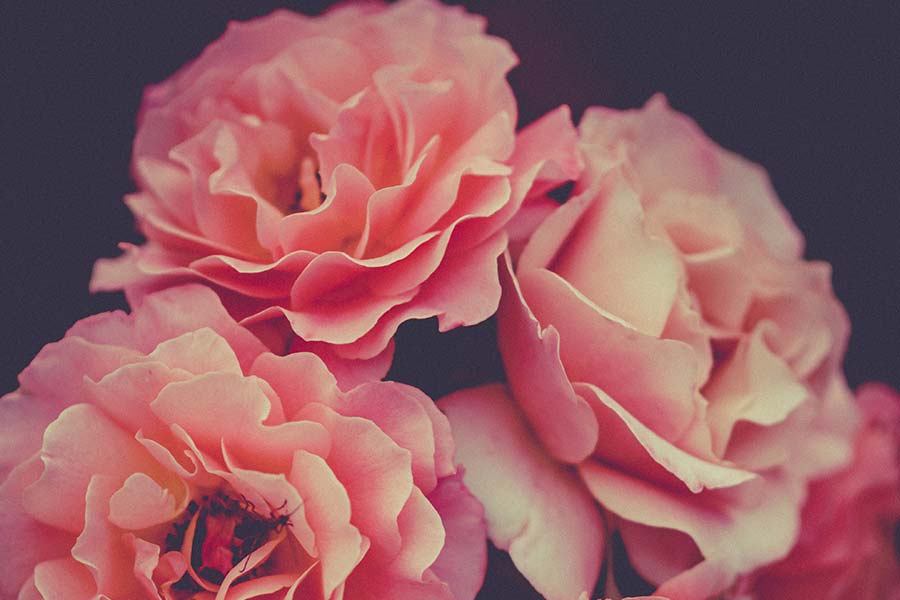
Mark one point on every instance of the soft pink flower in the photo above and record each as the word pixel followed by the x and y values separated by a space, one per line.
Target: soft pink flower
pixel 341 173
pixel 846 545
pixel 165 454
pixel 661 332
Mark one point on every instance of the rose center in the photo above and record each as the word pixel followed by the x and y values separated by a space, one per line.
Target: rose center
pixel 221 534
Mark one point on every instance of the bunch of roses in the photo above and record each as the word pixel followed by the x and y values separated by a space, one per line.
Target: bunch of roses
pixel 673 396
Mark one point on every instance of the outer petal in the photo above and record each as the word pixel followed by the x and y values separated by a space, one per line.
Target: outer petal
pixel 736 529
pixel 462 562
pixel 44 542
pixel 378 487
pixel 534 507
pixel 562 420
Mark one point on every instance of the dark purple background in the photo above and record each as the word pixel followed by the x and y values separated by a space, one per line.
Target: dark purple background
pixel 812 94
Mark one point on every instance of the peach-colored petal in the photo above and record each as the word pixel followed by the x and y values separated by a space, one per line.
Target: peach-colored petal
pixel 241 422
pixel 534 507
pixel 64 579
pixel 298 379
pixel 142 503
pixel 349 372
pixel 379 487
pixel 140 383
pixel 101 547
pixel 422 534
pixel 462 562
pixel 398 411
pixel 338 543
pixel 72 455
pixel 44 542
pixel 60 369
pixel 197 352
pixel 172 312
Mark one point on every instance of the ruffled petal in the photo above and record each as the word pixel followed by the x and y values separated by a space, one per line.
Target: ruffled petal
pixel 534 507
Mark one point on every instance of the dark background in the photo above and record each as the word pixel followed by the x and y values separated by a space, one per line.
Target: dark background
pixel 811 93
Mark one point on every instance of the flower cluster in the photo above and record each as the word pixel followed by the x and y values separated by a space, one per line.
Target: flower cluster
pixel 673 414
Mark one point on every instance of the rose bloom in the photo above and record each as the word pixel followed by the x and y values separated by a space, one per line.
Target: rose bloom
pixel 339 174
pixel 165 454
pixel 846 546
pixel 662 333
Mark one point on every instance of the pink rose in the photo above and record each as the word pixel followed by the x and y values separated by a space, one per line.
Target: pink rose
pixel 662 333
pixel 343 173
pixel 846 545
pixel 164 454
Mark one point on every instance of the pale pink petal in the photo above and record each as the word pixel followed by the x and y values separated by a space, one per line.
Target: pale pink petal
pixel 612 259
pixel 60 370
pixel 736 529
pixel 668 150
pixel 752 385
pixel 462 562
pixel 375 583
pixel 654 379
pixel 750 191
pixel 22 423
pixel 125 396
pixel 549 146
pixel 113 328
pixel 631 445
pixel 534 507
pixel 562 420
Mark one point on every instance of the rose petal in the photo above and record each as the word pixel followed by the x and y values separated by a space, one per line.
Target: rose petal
pixel 562 420
pixel 534 507
pixel 462 562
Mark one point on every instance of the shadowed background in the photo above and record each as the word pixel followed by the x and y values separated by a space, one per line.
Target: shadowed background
pixel 811 94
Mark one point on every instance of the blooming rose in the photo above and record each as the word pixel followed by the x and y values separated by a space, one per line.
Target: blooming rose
pixel 166 455
pixel 846 546
pixel 662 333
pixel 343 173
